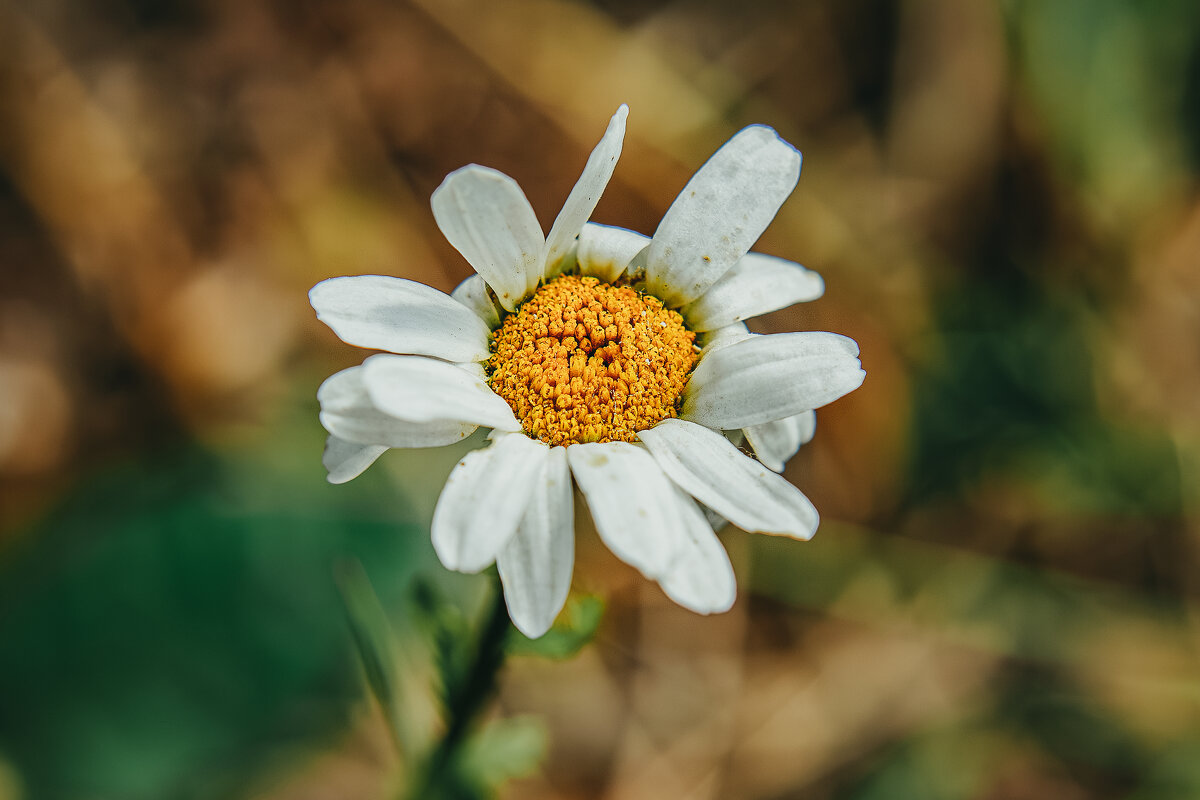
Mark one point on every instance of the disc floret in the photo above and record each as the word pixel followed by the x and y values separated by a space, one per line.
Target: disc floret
pixel 586 361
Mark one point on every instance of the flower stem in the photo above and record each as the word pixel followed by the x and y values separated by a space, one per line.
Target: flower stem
pixel 468 700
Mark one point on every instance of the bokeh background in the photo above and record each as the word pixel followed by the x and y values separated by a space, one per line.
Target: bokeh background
pixel 1002 198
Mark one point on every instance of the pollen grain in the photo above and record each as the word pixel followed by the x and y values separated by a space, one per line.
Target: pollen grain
pixel 585 361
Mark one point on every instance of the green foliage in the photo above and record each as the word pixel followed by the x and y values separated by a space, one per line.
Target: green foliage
pixel 451 642
pixel 574 628
pixel 469 763
pixel 373 637
pixel 1174 771
pixel 503 750
pixel 171 616
pixel 1097 72
pixel 1008 393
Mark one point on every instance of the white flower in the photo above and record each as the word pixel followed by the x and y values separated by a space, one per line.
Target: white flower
pixel 610 390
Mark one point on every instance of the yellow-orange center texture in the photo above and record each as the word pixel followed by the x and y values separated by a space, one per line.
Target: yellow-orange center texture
pixel 585 361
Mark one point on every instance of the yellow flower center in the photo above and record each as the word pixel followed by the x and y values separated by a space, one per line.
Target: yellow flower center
pixel 585 361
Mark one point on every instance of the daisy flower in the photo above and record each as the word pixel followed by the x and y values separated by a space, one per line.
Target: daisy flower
pixel 599 357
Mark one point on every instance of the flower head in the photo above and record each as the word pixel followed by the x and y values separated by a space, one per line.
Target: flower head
pixel 599 357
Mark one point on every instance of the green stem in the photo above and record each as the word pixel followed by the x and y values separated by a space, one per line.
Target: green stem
pixel 471 699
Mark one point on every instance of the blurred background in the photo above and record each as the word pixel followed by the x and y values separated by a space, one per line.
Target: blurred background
pixel 1002 198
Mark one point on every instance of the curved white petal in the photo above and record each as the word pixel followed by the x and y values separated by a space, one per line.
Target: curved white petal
pixel 581 202
pixel 401 316
pixel 765 378
pixel 474 368
pixel 707 466
pixel 721 212
pixel 423 390
pixel 632 502
pixel 347 460
pixel 473 294
pixel 701 579
pixel 715 520
pixel 483 501
pixel 348 413
pixel 535 566
pixel 775 442
pixel 487 218
pixel 755 285
pixel 604 251
pixel 709 341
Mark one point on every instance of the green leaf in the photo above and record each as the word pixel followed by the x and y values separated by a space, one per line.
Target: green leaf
pixel 467 658
pixel 179 612
pixel 573 629
pixel 373 637
pixel 450 641
pixel 505 749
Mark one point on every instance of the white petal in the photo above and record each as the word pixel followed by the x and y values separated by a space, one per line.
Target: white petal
pixel 586 193
pixel 604 251
pixel 347 460
pixel 473 294
pixel 715 520
pixel 348 413
pixel 721 212
pixel 775 442
pixel 401 316
pixel 423 390
pixel 483 501
pixel 765 378
pixel 756 285
pixel 474 368
pixel 632 502
pixel 535 566
pixel 702 578
pixel 485 215
pixel 709 341
pixel 708 467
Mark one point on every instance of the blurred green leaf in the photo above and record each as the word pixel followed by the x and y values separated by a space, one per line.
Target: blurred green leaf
pixel 574 628
pixel 1173 772
pixel 1010 394
pixel 476 767
pixel 1096 69
pixel 373 638
pixel 450 641
pixel 1043 704
pixel 503 750
pixel 178 613
pixel 468 656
